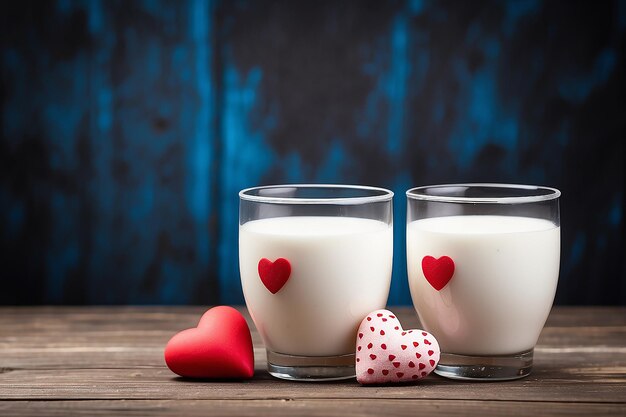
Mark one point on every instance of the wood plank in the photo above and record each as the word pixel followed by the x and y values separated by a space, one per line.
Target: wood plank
pixel 345 408
pixel 588 385
pixel 49 319
pixel 555 360
pixel 129 337
pixel 561 359
pixel 560 316
pixel 154 324
pixel 116 353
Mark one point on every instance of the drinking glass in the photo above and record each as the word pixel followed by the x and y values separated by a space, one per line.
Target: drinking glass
pixel 483 265
pixel 314 260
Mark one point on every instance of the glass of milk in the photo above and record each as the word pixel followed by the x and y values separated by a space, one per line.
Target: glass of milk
pixel 314 260
pixel 483 265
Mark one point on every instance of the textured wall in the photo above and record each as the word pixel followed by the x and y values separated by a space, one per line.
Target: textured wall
pixel 129 127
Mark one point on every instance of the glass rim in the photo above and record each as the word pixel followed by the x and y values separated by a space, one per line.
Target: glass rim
pixel 416 194
pixel 386 195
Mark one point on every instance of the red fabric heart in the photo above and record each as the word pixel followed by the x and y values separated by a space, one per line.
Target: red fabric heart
pixel 220 347
pixel 438 272
pixel 275 274
pixel 385 353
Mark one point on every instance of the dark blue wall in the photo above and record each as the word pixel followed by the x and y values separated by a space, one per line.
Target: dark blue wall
pixel 128 128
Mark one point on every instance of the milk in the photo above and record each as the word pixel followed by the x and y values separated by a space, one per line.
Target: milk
pixel 506 271
pixel 340 271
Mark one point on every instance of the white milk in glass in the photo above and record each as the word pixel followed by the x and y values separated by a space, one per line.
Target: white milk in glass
pixel 340 271
pixel 506 271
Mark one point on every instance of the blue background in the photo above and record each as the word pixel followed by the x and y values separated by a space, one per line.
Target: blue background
pixel 129 127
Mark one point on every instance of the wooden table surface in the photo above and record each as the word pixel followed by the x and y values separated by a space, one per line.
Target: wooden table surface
pixel 109 361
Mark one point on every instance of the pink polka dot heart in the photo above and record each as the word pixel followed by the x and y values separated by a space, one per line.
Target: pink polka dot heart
pixel 385 353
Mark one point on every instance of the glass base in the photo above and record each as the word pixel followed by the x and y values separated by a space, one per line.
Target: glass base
pixel 310 368
pixel 485 368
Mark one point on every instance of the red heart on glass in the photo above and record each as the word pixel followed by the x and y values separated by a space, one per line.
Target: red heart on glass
pixel 220 347
pixel 438 272
pixel 275 274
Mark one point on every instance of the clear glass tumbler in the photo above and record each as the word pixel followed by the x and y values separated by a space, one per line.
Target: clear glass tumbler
pixel 483 264
pixel 314 260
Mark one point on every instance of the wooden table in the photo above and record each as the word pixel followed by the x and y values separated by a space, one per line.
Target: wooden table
pixel 109 360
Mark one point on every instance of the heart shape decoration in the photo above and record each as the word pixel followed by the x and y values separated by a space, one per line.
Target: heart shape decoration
pixel 274 275
pixel 385 353
pixel 438 272
pixel 220 347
